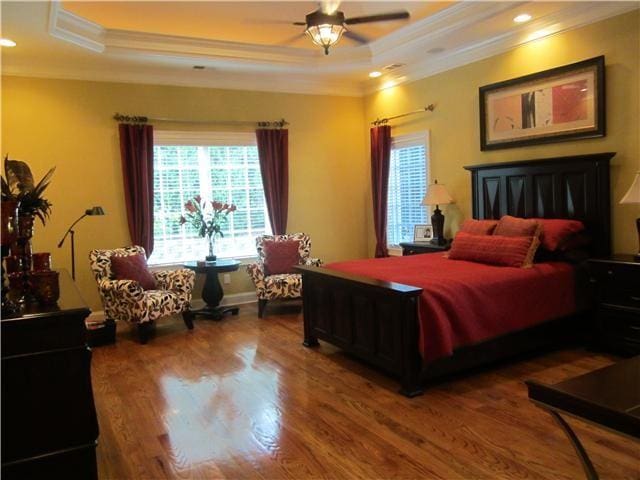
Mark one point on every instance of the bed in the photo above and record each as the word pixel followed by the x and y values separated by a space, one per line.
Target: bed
pixel 377 321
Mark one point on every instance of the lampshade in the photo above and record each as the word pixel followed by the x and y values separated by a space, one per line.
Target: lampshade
pixel 94 211
pixel 633 194
pixel 325 35
pixel 437 195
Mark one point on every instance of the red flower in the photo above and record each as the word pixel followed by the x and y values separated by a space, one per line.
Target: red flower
pixel 216 205
pixel 182 220
pixel 190 207
pixel 197 198
pixel 232 208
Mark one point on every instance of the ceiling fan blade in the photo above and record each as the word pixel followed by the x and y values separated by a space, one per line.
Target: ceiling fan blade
pixel 290 40
pixel 302 24
pixel 383 17
pixel 354 36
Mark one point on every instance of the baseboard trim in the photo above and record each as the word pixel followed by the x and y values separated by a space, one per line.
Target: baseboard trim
pixel 231 299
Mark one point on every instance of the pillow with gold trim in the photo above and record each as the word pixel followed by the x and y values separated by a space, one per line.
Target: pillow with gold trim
pixel 479 227
pixel 501 250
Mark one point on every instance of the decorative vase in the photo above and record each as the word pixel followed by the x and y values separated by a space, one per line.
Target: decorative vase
pixel 212 256
pixel 45 287
pixel 8 236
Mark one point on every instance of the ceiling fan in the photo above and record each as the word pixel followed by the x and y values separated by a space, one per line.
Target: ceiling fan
pixel 326 25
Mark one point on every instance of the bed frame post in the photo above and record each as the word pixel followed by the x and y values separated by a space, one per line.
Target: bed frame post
pixel 310 340
pixel 410 381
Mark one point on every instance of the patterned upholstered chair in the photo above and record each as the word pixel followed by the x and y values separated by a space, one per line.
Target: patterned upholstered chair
pixel 287 285
pixel 126 300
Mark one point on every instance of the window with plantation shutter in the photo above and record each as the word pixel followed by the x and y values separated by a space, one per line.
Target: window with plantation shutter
pixel 216 166
pixel 408 180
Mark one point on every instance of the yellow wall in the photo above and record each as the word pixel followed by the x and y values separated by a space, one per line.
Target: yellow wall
pixel 454 125
pixel 68 124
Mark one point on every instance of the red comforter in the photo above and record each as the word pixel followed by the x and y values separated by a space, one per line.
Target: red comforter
pixel 465 302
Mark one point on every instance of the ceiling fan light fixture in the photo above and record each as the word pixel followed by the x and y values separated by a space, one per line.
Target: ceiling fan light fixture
pixel 325 35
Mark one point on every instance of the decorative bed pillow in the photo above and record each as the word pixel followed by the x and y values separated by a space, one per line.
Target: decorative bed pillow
pixel 281 257
pixel 559 233
pixel 509 226
pixel 133 267
pixel 494 249
pixel 479 227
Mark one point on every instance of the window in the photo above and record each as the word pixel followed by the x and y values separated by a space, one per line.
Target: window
pixel 408 179
pixel 216 166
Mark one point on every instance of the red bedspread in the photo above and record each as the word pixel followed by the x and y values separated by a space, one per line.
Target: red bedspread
pixel 465 302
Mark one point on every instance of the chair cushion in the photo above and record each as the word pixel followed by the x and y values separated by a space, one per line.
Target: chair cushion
pixel 282 286
pixel 133 267
pixel 281 257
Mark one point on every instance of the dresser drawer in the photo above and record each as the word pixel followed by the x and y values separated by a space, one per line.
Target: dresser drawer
pixel 618 284
pixel 619 330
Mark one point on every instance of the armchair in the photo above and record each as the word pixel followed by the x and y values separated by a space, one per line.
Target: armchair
pixel 286 285
pixel 127 300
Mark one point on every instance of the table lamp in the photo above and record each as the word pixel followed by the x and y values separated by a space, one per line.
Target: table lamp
pixel 437 195
pixel 633 197
pixel 88 212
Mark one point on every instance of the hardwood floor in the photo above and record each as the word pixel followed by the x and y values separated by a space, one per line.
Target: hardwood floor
pixel 242 398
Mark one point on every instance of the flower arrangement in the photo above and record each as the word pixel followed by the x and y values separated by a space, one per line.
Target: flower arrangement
pixel 19 185
pixel 207 217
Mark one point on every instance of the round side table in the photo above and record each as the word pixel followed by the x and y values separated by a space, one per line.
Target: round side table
pixel 212 291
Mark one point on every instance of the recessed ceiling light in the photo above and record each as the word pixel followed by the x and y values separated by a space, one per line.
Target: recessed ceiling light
pixel 523 17
pixel 374 74
pixel 5 42
pixel 198 67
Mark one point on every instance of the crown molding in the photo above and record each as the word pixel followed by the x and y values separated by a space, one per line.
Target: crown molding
pixel 574 15
pixel 305 85
pixel 241 66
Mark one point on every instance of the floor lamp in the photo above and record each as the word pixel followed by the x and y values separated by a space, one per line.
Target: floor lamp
pixel 89 212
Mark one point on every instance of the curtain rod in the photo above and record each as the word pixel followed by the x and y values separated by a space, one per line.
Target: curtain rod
pixel 381 121
pixel 142 119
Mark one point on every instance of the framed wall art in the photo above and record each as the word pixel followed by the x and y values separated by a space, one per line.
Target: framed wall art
pixel 564 103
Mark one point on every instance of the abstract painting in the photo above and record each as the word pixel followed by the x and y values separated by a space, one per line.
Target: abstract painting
pixel 560 104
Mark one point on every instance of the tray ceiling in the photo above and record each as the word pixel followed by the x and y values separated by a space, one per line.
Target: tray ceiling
pixel 246 45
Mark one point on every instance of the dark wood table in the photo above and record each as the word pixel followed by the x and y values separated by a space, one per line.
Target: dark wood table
pixel 609 398
pixel 49 422
pixel 212 291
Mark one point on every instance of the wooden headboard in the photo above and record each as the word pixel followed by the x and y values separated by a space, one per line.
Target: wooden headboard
pixel 574 187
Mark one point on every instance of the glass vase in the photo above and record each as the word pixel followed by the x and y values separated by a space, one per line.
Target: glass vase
pixel 212 243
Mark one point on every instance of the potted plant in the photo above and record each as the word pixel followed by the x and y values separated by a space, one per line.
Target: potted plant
pixel 207 217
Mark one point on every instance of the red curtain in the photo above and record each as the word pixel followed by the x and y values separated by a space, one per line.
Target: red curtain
pixel 380 155
pixel 273 150
pixel 136 151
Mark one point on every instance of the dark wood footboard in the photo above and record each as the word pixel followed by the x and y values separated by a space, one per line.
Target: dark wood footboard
pixel 375 321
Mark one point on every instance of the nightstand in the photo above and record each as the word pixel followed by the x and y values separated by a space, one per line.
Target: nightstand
pixel 410 248
pixel 617 324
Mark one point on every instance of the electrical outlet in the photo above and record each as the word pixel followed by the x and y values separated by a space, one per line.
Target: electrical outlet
pixel 226 279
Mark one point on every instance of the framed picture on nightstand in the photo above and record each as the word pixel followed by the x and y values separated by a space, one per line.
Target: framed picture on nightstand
pixel 422 233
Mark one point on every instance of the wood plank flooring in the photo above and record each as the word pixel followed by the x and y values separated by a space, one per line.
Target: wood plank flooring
pixel 242 398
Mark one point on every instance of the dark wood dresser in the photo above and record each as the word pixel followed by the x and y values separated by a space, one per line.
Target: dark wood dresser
pixel 617 280
pixel 414 248
pixel 49 424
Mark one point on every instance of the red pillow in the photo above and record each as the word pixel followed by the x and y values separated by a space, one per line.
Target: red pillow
pixel 133 267
pixel 494 249
pixel 556 232
pixel 509 226
pixel 281 257
pixel 479 227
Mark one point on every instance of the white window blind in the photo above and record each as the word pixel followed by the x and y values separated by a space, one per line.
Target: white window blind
pixel 216 166
pixel 408 180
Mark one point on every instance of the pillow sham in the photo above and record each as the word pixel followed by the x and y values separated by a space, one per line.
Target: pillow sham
pixel 479 227
pixel 133 267
pixel 509 226
pixel 556 232
pixel 494 249
pixel 281 257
